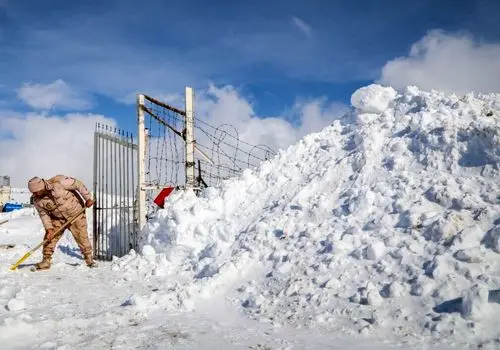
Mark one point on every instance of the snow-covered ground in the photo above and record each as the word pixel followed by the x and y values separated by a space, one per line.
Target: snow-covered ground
pixel 380 231
pixel 73 307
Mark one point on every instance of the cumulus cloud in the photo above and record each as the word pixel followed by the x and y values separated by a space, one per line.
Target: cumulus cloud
pixel 449 62
pixel 233 136
pixel 43 145
pixel 57 94
pixel 225 106
pixel 242 138
pixel 221 105
pixel 302 25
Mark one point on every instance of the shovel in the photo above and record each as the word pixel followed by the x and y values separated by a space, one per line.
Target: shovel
pixel 59 231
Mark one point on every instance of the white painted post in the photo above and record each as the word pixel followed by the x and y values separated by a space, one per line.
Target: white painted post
pixel 141 153
pixel 189 125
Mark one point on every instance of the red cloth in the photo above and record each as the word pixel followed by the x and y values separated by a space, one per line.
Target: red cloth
pixel 160 198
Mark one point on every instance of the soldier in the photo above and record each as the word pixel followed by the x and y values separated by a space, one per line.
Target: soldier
pixel 57 200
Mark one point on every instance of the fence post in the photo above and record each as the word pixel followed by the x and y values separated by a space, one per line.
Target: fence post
pixel 141 153
pixel 189 127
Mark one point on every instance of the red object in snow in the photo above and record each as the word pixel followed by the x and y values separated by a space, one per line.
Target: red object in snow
pixel 160 198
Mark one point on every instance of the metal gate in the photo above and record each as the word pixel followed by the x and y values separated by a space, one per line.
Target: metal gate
pixel 115 191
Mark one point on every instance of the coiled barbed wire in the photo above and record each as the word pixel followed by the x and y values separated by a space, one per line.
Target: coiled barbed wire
pixel 219 151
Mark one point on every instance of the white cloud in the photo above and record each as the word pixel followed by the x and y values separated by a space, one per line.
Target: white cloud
pixel 225 105
pixel 57 94
pixel 40 145
pixel 302 25
pixel 448 62
pixel 44 145
pixel 227 129
pixel 316 114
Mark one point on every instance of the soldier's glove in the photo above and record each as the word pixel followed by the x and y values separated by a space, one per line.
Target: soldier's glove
pixel 49 234
pixel 89 203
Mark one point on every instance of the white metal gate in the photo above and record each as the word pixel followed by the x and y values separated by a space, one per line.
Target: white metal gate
pixel 115 226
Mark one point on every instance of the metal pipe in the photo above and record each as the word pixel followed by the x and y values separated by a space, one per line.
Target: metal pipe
pixel 115 193
pixel 122 200
pixel 118 208
pixel 127 199
pixel 129 231
pixel 95 210
pixel 104 193
pixel 108 198
pixel 122 170
pixel 101 195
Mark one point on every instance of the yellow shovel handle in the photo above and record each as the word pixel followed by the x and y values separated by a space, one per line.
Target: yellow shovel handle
pixel 59 231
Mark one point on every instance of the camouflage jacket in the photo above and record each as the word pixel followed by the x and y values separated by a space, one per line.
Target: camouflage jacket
pixel 64 198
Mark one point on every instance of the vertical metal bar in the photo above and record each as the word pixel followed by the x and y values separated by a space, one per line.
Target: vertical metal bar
pixel 118 206
pixel 115 206
pixel 102 214
pixel 124 189
pixel 122 206
pixel 96 196
pixel 108 198
pixel 111 197
pixel 103 195
pixel 127 192
pixel 131 189
pixel 102 170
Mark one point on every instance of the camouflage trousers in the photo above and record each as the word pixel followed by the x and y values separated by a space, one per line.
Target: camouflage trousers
pixel 79 230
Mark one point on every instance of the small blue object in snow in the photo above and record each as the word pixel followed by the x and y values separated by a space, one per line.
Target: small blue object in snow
pixel 7 207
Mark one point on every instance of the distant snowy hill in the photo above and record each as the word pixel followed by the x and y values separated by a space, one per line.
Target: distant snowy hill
pixel 373 225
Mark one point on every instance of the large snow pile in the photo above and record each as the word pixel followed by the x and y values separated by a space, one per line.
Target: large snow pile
pixel 387 220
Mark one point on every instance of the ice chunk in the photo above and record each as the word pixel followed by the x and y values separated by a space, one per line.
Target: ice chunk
pixel 375 251
pixel 475 302
pixel 15 304
pixel 373 98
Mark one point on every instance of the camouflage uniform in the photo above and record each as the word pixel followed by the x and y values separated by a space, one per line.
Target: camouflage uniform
pixel 57 201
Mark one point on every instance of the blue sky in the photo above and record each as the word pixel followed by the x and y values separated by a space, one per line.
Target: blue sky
pixel 275 70
pixel 273 52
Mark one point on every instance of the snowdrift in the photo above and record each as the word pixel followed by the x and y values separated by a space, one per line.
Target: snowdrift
pixel 388 220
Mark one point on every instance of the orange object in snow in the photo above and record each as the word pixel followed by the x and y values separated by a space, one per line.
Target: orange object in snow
pixel 160 198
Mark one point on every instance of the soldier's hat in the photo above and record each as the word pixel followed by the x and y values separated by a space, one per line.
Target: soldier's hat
pixel 36 184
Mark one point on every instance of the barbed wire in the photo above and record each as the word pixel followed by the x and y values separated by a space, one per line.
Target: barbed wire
pixel 164 151
pixel 227 153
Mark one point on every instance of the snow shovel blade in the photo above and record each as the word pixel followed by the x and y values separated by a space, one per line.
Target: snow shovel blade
pixel 58 232
pixel 26 256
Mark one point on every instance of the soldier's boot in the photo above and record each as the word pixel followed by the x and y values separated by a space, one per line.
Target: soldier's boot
pixel 89 260
pixel 44 264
